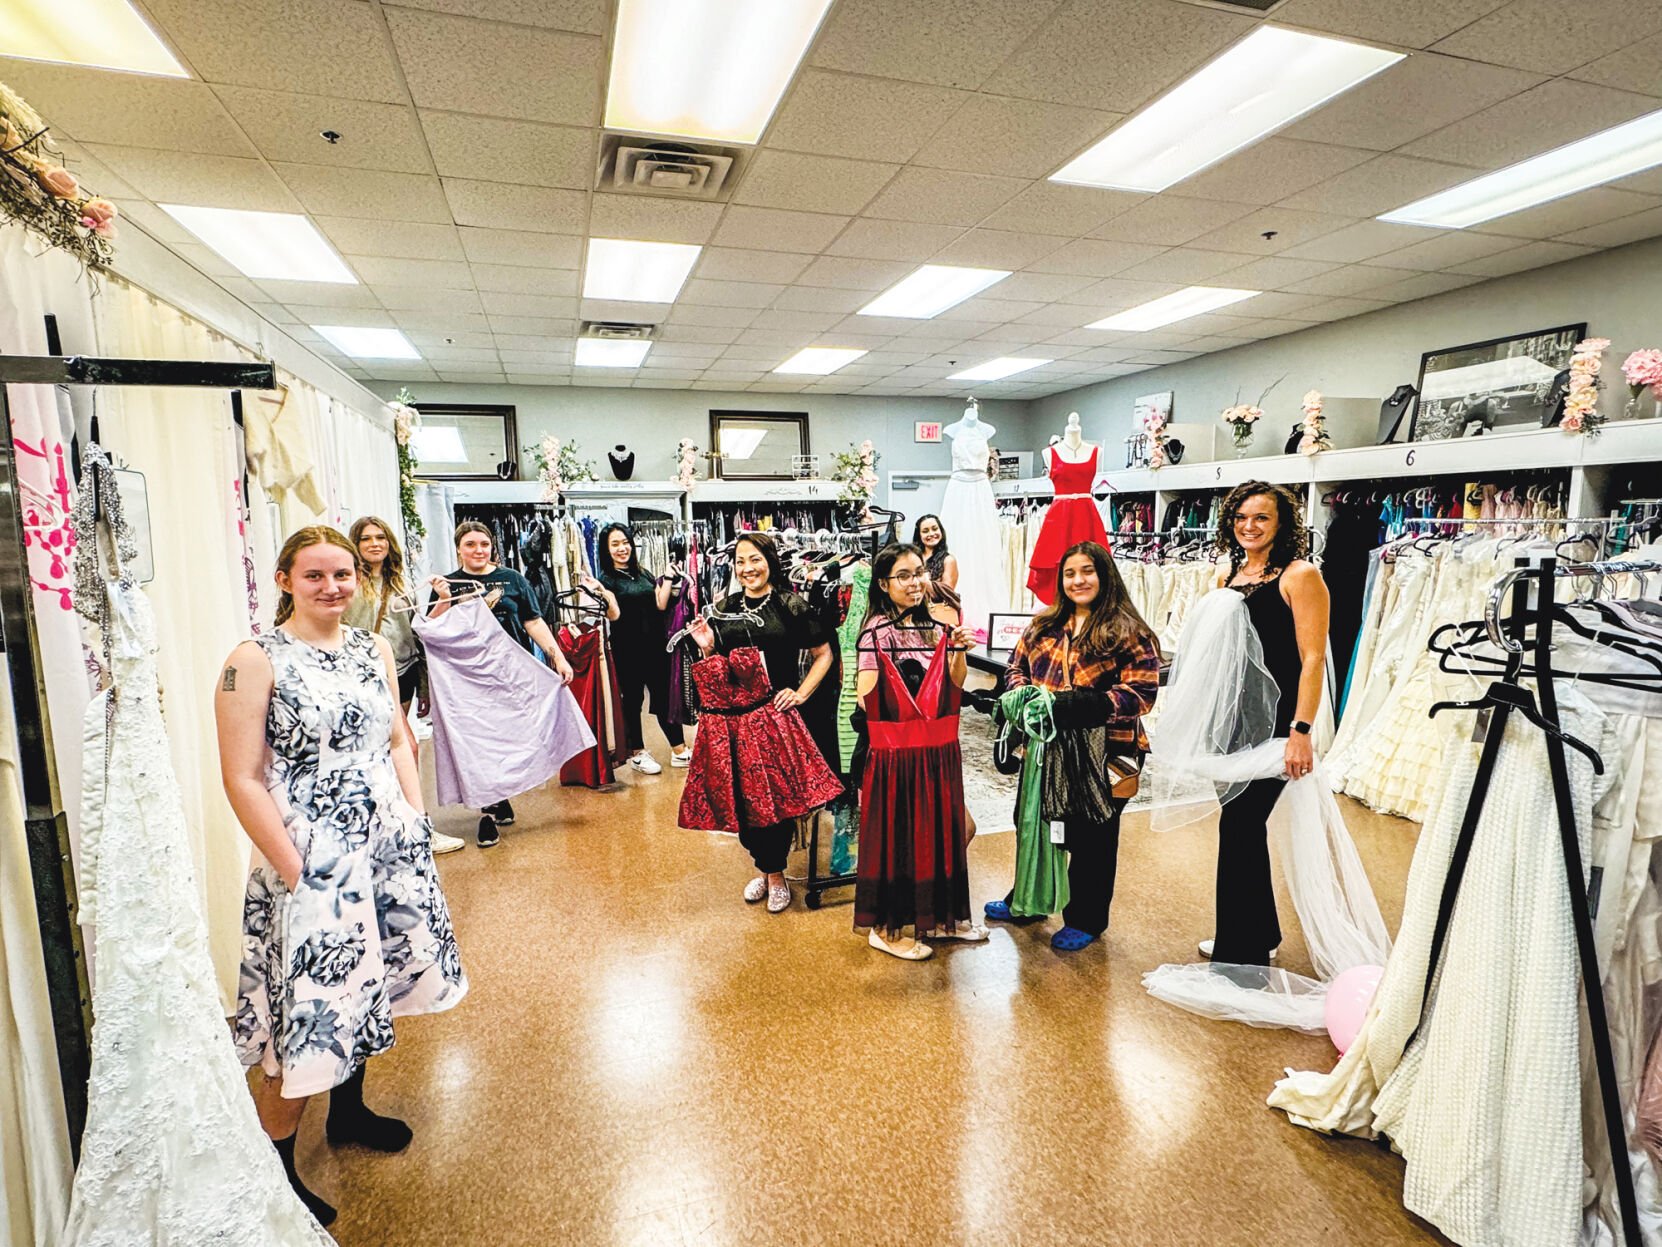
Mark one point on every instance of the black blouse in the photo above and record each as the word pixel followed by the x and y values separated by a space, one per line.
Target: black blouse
pixel 787 628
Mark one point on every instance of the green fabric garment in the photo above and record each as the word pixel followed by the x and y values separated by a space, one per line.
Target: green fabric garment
pixel 848 636
pixel 1041 885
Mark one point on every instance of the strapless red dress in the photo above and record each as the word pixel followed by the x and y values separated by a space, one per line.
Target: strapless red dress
pixel 752 765
pixel 1072 517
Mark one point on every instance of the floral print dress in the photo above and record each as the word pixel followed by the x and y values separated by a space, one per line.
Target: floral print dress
pixel 366 935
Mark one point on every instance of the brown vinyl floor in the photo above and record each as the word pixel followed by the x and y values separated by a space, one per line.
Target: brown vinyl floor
pixel 645 1060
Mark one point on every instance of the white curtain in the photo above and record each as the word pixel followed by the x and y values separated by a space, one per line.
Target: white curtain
pixel 366 481
pixel 185 442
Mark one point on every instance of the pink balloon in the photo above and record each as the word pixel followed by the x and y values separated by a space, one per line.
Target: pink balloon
pixel 1348 998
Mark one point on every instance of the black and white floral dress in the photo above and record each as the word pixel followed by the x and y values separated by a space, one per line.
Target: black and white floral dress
pixel 366 935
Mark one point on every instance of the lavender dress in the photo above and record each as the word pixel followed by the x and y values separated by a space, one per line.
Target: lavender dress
pixel 503 723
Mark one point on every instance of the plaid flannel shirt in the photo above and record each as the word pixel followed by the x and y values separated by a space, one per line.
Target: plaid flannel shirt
pixel 1130 679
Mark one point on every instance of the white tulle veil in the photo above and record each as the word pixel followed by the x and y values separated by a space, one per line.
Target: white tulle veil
pixel 1214 736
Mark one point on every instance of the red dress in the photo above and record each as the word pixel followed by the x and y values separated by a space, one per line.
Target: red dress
pixel 594 684
pixel 752 765
pixel 1071 518
pixel 914 867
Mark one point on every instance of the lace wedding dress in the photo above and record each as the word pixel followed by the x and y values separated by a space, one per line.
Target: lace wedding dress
pixel 173 1152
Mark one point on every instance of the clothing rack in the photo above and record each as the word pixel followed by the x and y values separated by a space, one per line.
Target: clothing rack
pixel 45 826
pixel 1602 527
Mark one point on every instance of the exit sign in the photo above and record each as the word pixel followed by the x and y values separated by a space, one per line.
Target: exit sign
pixel 926 431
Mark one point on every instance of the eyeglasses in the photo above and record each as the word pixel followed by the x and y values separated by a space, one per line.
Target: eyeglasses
pixel 906 578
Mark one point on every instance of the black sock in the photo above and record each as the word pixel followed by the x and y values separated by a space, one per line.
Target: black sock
pixel 351 1121
pixel 315 1204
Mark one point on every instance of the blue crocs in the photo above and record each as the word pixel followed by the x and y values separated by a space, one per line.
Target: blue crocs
pixel 1070 940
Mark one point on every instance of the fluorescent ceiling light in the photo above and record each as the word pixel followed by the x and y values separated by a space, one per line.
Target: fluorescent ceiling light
pixel 1592 161
pixel 931 290
pixel 269 246
pixel 637 272
pixel 100 34
pixel 361 343
pixel 434 445
pixel 706 69
pixel 819 360
pixel 1265 81
pixel 1172 308
pixel 741 443
pixel 611 352
pixel 996 369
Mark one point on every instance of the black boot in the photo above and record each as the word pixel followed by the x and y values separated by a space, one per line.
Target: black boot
pixel 315 1204
pixel 351 1121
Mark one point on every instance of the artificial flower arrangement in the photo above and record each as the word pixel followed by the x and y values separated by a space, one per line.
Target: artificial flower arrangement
pixel 1643 370
pixel 1581 413
pixel 686 463
pixel 39 193
pixel 558 465
pixel 1154 424
pixel 857 472
pixel 1242 416
pixel 405 421
pixel 1314 438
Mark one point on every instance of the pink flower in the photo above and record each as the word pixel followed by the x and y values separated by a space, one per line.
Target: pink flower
pixel 1643 369
pixel 102 211
pixel 58 181
pixel 1571 422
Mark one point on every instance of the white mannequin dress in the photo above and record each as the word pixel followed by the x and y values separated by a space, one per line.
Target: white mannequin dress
pixel 972 532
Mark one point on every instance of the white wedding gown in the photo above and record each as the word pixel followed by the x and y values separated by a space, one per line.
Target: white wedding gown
pixel 173 1152
pixel 970 518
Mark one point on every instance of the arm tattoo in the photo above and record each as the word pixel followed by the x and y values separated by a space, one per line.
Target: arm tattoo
pixel 229 683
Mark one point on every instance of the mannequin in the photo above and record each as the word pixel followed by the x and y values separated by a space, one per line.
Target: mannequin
pixel 970 422
pixel 969 517
pixel 1073 515
pixel 1072 448
pixel 622 460
pixel 1392 410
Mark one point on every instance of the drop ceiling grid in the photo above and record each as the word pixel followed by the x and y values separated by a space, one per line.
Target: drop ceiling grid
pixel 461 191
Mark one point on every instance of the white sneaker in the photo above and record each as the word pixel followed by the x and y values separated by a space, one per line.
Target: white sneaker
pixel 446 844
pixel 646 764
pixel 1206 947
pixel 682 759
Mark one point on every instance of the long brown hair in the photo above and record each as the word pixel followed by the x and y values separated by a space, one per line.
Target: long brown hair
pixel 392 567
pixel 303 539
pixel 1292 535
pixel 879 603
pixel 1113 626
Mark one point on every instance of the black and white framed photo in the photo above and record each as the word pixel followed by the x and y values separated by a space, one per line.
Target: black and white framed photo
pixel 758 445
pixel 466 441
pixel 1483 387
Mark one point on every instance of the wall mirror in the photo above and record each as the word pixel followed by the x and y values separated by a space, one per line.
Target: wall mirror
pixel 758 445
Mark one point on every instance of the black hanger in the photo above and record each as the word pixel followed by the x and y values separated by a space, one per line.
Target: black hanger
pixel 1500 693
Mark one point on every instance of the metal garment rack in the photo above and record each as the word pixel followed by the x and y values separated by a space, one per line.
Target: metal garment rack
pixel 46 829
pixel 1574 528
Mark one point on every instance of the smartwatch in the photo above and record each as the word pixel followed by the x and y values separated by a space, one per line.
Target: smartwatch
pixel 1302 728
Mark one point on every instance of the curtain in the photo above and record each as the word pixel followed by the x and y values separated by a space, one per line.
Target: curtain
pixel 185 442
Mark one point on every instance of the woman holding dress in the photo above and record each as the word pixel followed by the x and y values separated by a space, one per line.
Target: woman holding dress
pixel 344 924
pixel 639 600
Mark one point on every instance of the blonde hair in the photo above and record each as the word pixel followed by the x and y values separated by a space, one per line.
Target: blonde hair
pixel 392 567
pixel 304 539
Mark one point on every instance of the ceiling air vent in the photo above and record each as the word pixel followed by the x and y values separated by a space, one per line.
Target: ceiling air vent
pixel 617 330
pixel 652 167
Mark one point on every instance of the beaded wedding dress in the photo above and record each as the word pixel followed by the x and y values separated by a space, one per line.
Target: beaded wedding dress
pixel 173 1152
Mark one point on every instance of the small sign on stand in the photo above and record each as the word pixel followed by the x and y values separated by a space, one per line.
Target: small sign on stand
pixel 926 431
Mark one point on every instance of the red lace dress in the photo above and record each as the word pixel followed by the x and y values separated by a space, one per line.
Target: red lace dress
pixel 752 765
pixel 594 684
pixel 1071 518
pixel 914 868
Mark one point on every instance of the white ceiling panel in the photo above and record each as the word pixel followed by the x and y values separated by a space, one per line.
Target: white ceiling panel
pixel 951 43
pixel 128 109
pixel 1382 184
pixel 511 279
pixel 750 294
pixel 537 208
pixel 1536 121
pixel 1550 37
pixel 1289 227
pixel 913 241
pixel 1637 67
pixel 540 326
pixel 1185 265
pixel 861 118
pixel 289 127
pixel 771 229
pixel 411 240
pixel 845 273
pixel 205 181
pixel 366 193
pixel 782 179
pixel 715 317
pixel 1564 216
pixel 1620 232
pixel 1361 241
pixel 1273 273
pixel 1092 257
pixel 521 248
pixel 1041 287
pixel 941 197
pixel 1170 220
pixel 438 274
pixel 443 322
pixel 1422 286
pixel 1456 247
pixel 356 317
pixel 526 152
pixel 473 66
pixel 1052 208
pixel 793 321
pixel 1518 259
pixel 419 338
pixel 588 17
pixel 1271 170
pixel 1411 23
pixel 319 294
pixel 991 248
pixel 652 219
pixel 155 222
pixel 1351 280
pixel 743 264
pixel 1013 137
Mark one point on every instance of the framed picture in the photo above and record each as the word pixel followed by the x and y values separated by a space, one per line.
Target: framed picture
pixel 466 441
pixel 758 445
pixel 1483 386
pixel 1004 630
pixel 1149 404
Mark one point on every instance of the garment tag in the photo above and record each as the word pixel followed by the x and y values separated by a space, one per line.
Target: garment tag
pixel 1057 832
pixel 1595 884
pixel 1480 725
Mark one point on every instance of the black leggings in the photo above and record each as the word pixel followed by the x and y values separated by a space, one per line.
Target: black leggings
pixel 634 679
pixel 770 847
pixel 1093 864
pixel 1247 926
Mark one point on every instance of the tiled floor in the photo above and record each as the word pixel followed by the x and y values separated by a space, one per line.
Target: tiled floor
pixel 646 1060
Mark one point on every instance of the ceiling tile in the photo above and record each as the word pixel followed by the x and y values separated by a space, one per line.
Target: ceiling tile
pixel 1091 257
pixel 1445 251
pixel 397 298
pixel 1289 226
pixel 441 274
pixel 398 239
pixel 523 343
pixel 1422 286
pixel 1520 259
pixel 797 321
pixel 1340 309
pixel 441 355
pixel 1536 121
pixel 991 248
pixel 1411 23
pixel 1014 137
pixel 1041 287
pixel 1058 316
pixel 1592 207
pixel 942 197
pixel 546 326
pixel 750 294
pixel 716 317
pixel 1381 185
pixel 477 376
pixel 782 179
pixel 1552 38
pixel 318 294
pixel 1637 67
pixel 93 174
pixel 742 264
pixel 290 127
pixel 651 218
pixel 763 336
pixel 505 303
pixel 862 118
pixel 334 47
pixel 1185 265
pixel 698 333
pixel 356 317
pixel 1271 170
pixel 205 259
pixel 986 310
pixel 1052 208
pixel 844 273
pixel 952 43
pixel 893 240
pixel 1169 220
pixel 443 322
pixel 521 248
pixel 772 229
pixel 206 181
pixel 1116 54
pixel 1620 232
pixel 588 17
pixel 538 208
pixel 127 109
pixel 1273 273
pixel 1118 292
pixel 471 66
pixel 527 152
pixel 1361 241
pixel 1353 279
pixel 367 193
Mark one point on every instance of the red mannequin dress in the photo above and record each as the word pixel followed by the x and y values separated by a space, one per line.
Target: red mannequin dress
pixel 913 866
pixel 1072 518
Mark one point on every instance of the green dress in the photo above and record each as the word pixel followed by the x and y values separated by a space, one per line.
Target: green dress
pixel 1041 885
pixel 846 811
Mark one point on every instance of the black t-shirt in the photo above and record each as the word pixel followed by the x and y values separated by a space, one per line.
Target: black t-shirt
pixel 638 616
pixel 514 607
pixel 787 628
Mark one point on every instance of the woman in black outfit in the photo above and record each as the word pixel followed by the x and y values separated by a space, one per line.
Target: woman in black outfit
pixel 1263 540
pixel 640 600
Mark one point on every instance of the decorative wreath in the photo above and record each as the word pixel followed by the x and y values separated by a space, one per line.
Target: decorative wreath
pixel 40 194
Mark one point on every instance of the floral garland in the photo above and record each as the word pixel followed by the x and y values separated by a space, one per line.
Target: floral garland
pixel 1154 424
pixel 686 463
pixel 1581 413
pixel 558 466
pixel 405 421
pixel 1314 439
pixel 39 193
pixel 857 472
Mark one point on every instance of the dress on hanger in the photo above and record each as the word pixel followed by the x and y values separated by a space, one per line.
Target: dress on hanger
pixel 173 1151
pixel 1071 518
pixel 970 518
pixel 594 684
pixel 503 723
pixel 914 866
pixel 752 765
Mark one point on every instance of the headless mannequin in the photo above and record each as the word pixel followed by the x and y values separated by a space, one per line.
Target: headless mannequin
pixel 622 460
pixel 970 422
pixel 1073 448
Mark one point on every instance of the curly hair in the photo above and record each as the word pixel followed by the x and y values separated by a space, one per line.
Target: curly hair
pixel 1292 534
